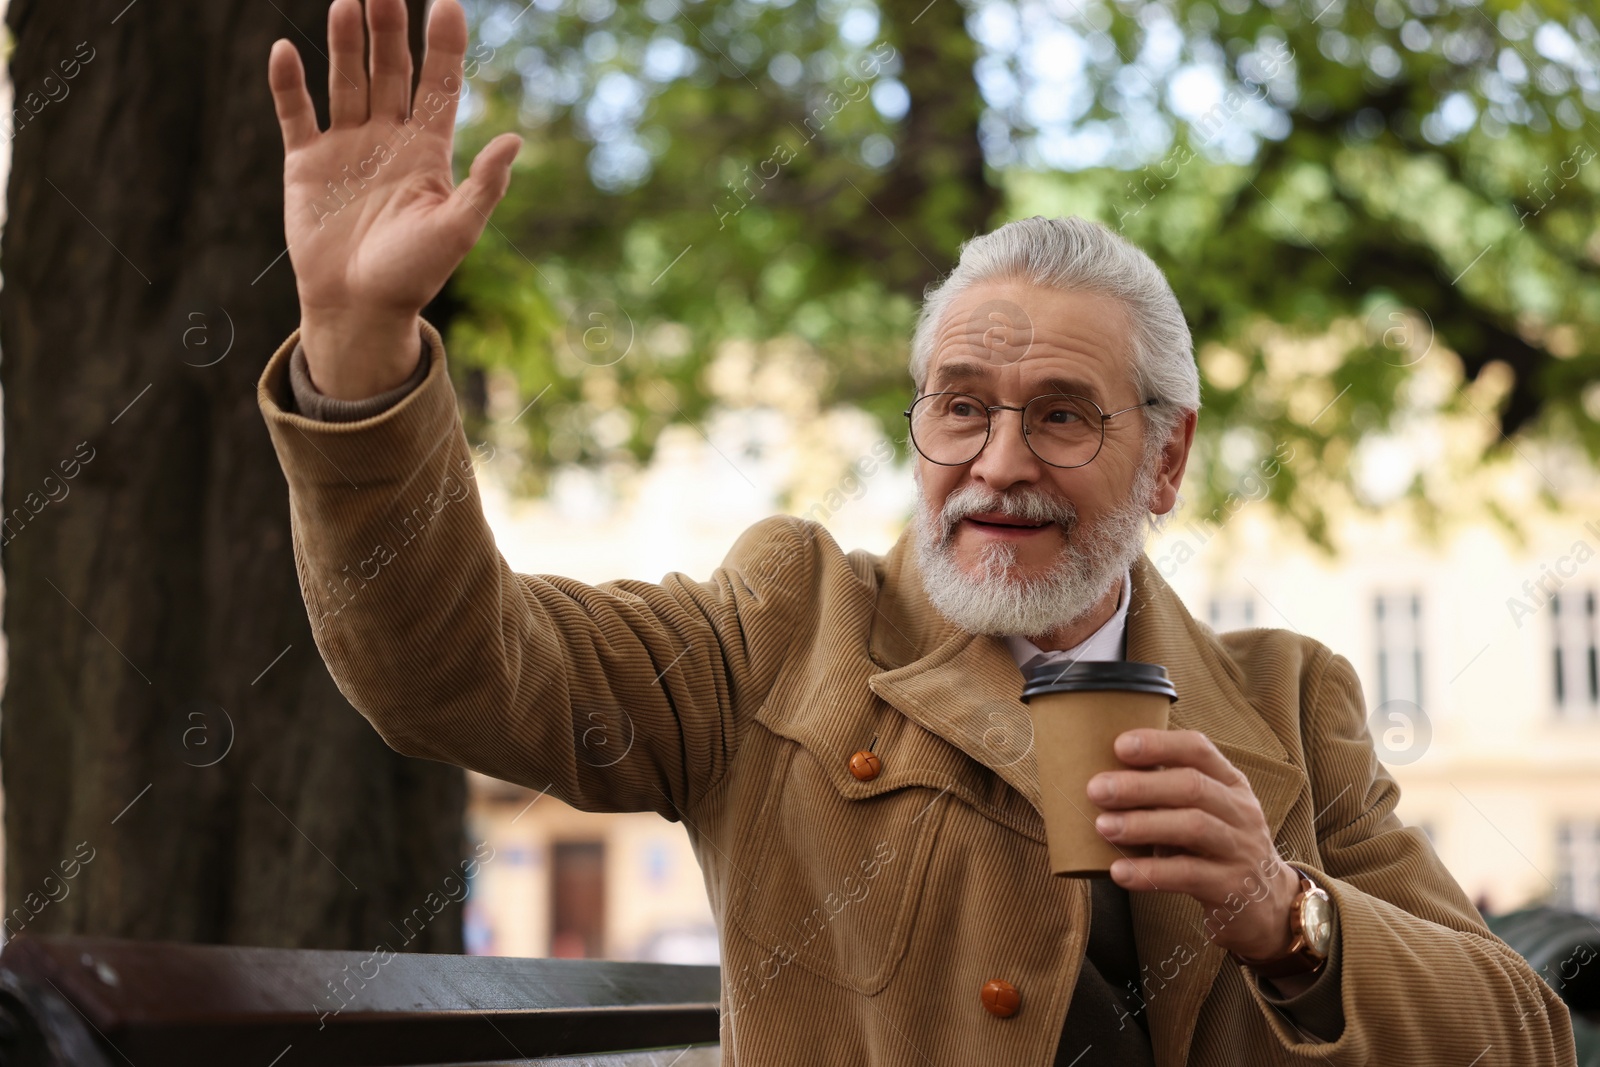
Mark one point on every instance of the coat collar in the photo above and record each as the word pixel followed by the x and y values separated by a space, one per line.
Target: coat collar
pixel 966 688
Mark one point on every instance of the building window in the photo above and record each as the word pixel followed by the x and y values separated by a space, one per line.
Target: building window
pixel 1577 666
pixel 1578 865
pixel 1236 612
pixel 1398 618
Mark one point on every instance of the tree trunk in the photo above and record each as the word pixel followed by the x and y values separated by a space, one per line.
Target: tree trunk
pixel 177 762
pixel 937 189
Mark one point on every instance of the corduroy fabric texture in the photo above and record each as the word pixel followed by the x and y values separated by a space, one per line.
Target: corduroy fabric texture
pixel 860 920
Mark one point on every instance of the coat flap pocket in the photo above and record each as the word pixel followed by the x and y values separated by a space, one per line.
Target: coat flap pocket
pixel 837 873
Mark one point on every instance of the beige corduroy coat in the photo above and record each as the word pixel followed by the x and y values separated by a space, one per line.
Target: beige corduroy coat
pixel 860 919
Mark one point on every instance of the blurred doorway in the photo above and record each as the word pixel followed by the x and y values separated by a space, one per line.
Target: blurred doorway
pixel 577 899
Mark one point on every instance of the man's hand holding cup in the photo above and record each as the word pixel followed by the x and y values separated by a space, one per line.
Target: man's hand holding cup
pixel 1210 838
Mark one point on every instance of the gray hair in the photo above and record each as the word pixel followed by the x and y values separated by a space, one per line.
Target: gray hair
pixel 1073 253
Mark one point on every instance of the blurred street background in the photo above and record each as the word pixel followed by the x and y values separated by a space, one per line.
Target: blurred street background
pixel 1379 217
pixel 694 309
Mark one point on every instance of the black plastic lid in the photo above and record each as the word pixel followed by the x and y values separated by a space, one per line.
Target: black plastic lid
pixel 1098 675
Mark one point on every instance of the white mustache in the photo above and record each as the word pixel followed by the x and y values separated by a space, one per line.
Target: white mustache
pixel 1030 507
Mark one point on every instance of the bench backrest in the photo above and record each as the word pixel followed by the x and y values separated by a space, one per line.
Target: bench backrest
pixel 63 999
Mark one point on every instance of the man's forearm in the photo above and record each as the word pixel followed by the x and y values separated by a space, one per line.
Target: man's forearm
pixel 1422 990
pixel 395 559
pixel 452 656
pixel 1313 1002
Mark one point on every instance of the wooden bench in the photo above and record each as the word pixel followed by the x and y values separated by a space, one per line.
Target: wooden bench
pixel 101 1002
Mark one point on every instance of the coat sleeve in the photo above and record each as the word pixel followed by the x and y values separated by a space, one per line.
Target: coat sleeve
pixel 1422 979
pixel 623 696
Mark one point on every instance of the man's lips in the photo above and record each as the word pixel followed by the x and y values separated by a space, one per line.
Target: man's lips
pixel 994 520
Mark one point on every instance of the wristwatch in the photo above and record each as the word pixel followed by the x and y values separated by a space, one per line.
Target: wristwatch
pixel 1310 926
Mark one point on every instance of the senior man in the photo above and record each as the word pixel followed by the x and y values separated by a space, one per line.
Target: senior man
pixel 840 732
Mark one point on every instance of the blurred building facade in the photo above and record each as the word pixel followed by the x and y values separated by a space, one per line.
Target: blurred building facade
pixel 1479 664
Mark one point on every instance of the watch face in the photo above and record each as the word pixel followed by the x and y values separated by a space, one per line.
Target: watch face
pixel 1316 917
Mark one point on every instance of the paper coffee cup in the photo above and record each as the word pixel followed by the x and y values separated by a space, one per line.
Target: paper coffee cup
pixel 1078 710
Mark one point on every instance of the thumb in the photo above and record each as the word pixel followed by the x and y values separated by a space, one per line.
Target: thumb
pixel 487 181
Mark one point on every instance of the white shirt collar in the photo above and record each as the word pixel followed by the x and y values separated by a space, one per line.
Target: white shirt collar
pixel 1106 643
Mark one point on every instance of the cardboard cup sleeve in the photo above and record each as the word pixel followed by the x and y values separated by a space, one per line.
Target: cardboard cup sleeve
pixel 1077 711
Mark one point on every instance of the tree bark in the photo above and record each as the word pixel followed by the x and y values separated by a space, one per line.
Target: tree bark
pixel 938 187
pixel 177 762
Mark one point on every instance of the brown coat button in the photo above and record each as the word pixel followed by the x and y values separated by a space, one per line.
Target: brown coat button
pixel 865 765
pixel 1001 997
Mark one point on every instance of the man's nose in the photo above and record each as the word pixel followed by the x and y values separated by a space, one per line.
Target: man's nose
pixel 1006 459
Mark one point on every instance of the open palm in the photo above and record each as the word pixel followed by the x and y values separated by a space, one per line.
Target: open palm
pixel 374 220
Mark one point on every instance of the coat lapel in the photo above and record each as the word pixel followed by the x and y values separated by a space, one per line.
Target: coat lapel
pixel 966 688
pixel 968 691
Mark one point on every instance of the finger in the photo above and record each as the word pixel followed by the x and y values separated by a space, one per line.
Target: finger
pixel 391 59
pixel 1187 828
pixel 1145 747
pixel 1197 876
pixel 441 65
pixel 487 180
pixel 1167 787
pixel 347 69
pixel 297 118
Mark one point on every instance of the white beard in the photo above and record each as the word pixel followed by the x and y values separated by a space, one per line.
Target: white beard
pixel 996 601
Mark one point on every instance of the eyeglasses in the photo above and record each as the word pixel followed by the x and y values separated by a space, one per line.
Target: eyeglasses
pixel 1063 430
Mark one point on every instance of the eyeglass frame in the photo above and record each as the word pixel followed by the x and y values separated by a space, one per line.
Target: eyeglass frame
pixel 990 409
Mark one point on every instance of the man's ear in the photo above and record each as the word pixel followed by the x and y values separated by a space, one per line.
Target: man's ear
pixel 1174 459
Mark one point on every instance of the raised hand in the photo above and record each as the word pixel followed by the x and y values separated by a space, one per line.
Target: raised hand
pixel 374 219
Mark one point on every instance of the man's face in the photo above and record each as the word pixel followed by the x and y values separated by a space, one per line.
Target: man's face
pixel 1009 543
